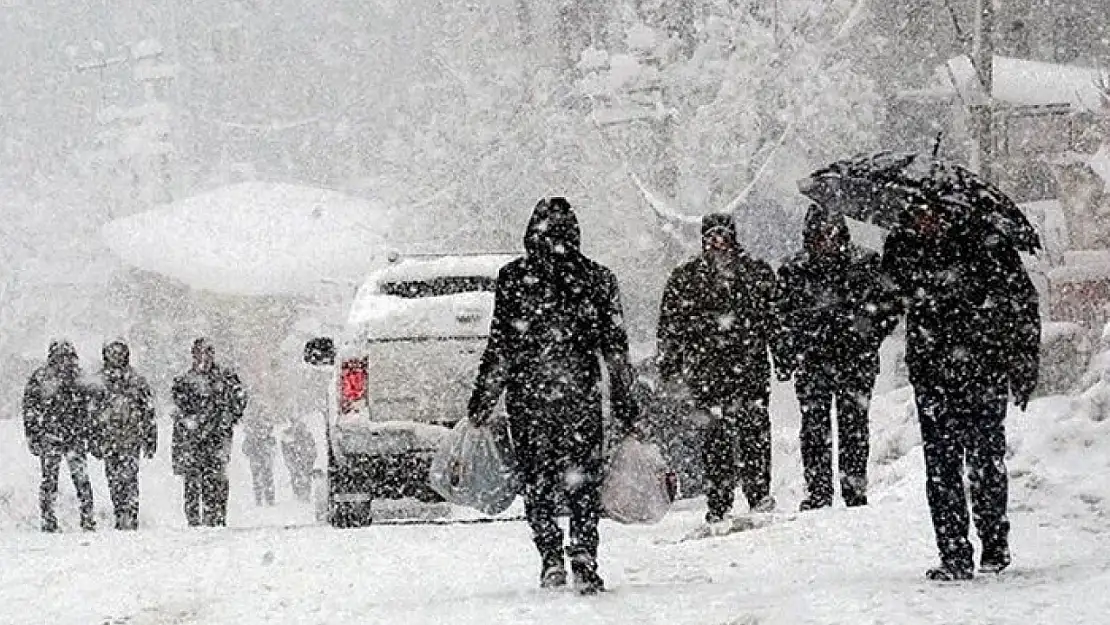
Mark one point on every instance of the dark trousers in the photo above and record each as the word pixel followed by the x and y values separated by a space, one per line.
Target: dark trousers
pixel 50 461
pixel 300 478
pixel 964 424
pixel 817 391
pixel 122 472
pixel 738 447
pixel 206 492
pixel 549 483
pixel 262 478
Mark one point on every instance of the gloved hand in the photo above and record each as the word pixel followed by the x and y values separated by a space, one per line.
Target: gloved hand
pixel 478 419
pixel 1022 394
pixel 674 390
pixel 35 446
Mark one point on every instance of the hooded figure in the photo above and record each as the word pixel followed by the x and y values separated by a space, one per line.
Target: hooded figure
pixel 209 400
pixel 123 411
pixel 972 340
pixel 717 322
pixel 56 422
pixel 835 314
pixel 555 312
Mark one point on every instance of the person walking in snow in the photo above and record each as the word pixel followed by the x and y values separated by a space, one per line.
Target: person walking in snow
pixel 835 311
pixel 123 416
pixel 555 312
pixel 717 322
pixel 209 401
pixel 259 446
pixel 972 340
pixel 57 425
pixel 298 448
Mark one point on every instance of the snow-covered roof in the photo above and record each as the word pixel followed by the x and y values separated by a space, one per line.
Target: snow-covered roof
pixel 1022 82
pixel 258 238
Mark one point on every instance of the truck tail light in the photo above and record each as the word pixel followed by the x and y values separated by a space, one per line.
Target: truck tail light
pixel 353 381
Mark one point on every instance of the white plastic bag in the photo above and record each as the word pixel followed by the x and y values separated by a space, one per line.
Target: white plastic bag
pixel 474 467
pixel 639 487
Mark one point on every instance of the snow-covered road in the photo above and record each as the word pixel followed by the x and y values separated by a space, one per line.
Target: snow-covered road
pixel 833 566
pixel 836 566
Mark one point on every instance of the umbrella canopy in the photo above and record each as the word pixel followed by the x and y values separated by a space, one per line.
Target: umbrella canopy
pixel 258 239
pixel 886 188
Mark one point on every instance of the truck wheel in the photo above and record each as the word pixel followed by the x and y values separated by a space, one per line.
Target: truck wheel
pixel 348 506
pixel 350 514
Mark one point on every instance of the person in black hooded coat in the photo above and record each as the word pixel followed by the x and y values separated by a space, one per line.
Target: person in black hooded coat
pixel 58 427
pixel 717 323
pixel 972 339
pixel 555 312
pixel 124 414
pixel 836 311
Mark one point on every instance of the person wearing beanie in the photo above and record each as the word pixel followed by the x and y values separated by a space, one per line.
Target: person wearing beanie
pixel 125 429
pixel 209 400
pixel 56 422
pixel 717 322
pixel 555 312
pixel 836 312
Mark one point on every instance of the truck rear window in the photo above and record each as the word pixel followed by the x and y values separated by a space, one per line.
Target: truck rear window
pixel 438 287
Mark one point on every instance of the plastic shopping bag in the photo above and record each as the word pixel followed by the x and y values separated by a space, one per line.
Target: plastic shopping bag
pixel 639 487
pixel 475 467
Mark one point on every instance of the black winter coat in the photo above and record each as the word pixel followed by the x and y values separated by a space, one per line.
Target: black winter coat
pixel 836 310
pixel 554 318
pixel 714 333
pixel 56 412
pixel 123 414
pixel 209 404
pixel 971 311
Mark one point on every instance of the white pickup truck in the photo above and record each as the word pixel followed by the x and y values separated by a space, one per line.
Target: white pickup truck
pixel 403 373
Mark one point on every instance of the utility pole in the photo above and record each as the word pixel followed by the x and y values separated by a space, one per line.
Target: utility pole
pixel 983 114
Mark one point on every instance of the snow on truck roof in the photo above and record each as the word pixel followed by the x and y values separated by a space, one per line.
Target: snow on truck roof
pixel 426 266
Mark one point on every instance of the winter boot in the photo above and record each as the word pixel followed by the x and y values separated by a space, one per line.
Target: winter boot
pixel 810 503
pixel 855 501
pixel 994 559
pixel 767 504
pixel 586 579
pixel 554 572
pixel 947 572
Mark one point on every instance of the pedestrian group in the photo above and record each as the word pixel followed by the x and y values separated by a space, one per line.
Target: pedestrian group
pixel 726 321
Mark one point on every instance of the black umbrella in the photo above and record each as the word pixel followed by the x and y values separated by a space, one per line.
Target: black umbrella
pixel 887 188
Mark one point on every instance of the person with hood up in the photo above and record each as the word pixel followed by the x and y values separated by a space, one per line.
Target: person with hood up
pixel 555 312
pixel 717 322
pixel 258 446
pixel 972 340
pixel 835 311
pixel 56 422
pixel 210 400
pixel 123 414
pixel 298 448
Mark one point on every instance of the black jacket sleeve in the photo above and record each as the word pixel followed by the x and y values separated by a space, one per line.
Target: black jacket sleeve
pixel 145 400
pixel 236 399
pixel 614 350
pixel 787 344
pixel 1025 344
pixel 493 371
pixel 32 413
pixel 671 330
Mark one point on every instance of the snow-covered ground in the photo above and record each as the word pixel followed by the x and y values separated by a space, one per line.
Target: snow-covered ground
pixel 833 566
